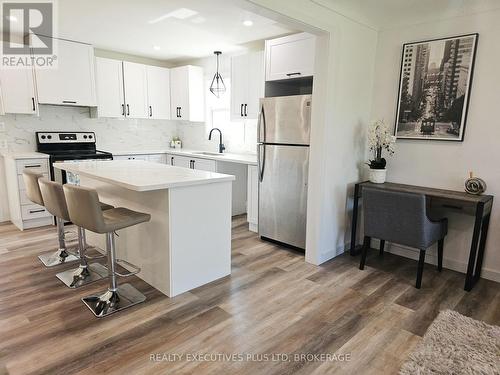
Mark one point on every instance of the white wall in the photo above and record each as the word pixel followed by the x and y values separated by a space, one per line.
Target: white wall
pixel 446 164
pixel 341 110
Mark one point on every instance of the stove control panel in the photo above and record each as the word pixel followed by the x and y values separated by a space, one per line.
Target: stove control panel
pixel 65 137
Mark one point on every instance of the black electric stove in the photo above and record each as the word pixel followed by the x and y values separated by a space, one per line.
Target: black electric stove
pixel 66 147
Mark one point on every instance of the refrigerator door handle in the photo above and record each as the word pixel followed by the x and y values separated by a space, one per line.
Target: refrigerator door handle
pixel 261 125
pixel 262 161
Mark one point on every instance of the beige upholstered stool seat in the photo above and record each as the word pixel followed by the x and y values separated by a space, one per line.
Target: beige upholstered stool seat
pixel 84 210
pixel 32 188
pixel 35 195
pixel 55 203
pixel 121 217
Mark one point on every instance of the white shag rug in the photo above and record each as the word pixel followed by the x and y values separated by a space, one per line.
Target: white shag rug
pixel 456 344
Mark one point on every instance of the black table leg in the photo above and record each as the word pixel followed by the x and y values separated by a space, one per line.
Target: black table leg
pixel 469 278
pixel 354 223
pixel 482 245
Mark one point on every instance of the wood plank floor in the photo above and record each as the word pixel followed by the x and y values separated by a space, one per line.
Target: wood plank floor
pixel 273 303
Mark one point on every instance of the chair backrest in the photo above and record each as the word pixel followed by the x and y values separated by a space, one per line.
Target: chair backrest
pixel 53 198
pixel 84 207
pixel 395 216
pixel 32 188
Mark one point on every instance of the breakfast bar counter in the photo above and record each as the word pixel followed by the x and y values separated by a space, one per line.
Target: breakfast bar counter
pixel 187 243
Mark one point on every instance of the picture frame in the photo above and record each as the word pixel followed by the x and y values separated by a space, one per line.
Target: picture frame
pixel 434 88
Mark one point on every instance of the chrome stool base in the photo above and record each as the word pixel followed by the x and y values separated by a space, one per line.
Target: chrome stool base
pixel 81 276
pixel 59 257
pixel 112 301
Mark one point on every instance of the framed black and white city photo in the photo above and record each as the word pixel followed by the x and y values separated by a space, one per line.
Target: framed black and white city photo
pixel 434 88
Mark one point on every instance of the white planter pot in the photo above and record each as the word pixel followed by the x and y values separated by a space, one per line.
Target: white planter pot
pixel 377 176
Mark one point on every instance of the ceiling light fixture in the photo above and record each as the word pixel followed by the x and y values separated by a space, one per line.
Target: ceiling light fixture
pixel 156 48
pixel 248 23
pixel 180 14
pixel 218 87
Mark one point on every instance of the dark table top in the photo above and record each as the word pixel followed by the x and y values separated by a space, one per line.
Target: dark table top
pixel 438 193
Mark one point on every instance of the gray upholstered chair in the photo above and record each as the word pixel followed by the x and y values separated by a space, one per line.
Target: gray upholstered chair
pixel 401 218
pixel 85 211
pixel 55 202
pixel 34 194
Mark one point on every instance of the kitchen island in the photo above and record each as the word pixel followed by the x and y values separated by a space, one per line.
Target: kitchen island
pixel 187 243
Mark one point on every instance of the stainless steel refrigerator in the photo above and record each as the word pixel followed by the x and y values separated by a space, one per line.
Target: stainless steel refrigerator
pixel 283 160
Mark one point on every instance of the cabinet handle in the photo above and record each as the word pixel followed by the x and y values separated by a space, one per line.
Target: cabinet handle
pixel 150 111
pixel 294 74
pixel 33 166
pixel 69 102
pixel 36 211
pixel 191 164
pixel 128 110
pixel 123 109
pixel 180 112
pixel 33 102
pixel 171 160
pixel 241 111
pixel 246 114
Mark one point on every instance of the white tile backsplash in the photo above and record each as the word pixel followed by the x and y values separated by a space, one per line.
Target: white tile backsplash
pixel 122 134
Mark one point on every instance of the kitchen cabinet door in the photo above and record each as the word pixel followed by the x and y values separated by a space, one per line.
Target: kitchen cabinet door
pixel 289 57
pixel 157 158
pixel 182 161
pixel 204 164
pixel 72 82
pixel 255 86
pixel 239 86
pixel 247 85
pixel 18 91
pixel 158 80
pixel 187 92
pixel 136 90
pixel 253 198
pixel 110 97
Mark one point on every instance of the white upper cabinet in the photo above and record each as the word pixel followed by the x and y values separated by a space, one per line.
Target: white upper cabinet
pixel 136 90
pixel 109 82
pixel 247 85
pixel 17 88
pixel 290 57
pixel 158 80
pixel 187 93
pixel 72 82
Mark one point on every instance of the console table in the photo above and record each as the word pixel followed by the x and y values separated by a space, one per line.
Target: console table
pixel 477 205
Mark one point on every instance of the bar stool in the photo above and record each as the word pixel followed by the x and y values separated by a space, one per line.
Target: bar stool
pixel 34 195
pixel 55 203
pixel 84 211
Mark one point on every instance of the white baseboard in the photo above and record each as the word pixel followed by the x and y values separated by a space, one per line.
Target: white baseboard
pixel 431 258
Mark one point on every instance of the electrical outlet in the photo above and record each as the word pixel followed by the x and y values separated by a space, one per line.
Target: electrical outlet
pixel 3 143
pixel 2 126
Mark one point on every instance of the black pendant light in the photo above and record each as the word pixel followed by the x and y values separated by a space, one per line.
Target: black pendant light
pixel 218 86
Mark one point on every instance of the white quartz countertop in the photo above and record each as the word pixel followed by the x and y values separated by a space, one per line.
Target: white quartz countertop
pixel 226 156
pixel 24 155
pixel 140 175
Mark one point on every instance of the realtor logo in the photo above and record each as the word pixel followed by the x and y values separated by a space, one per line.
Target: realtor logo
pixel 28 31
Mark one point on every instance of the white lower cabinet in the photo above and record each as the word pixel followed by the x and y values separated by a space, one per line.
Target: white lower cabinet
pixel 25 214
pixel 204 164
pixel 192 163
pixel 158 158
pixel 155 158
pixel 253 198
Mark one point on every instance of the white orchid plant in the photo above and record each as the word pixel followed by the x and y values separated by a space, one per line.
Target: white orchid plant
pixel 380 138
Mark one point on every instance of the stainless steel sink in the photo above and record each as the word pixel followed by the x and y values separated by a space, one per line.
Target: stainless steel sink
pixel 208 153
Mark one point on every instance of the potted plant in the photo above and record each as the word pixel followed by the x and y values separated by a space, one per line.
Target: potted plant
pixel 379 138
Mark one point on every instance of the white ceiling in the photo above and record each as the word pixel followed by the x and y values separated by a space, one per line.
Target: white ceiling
pixel 134 27
pixel 385 14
